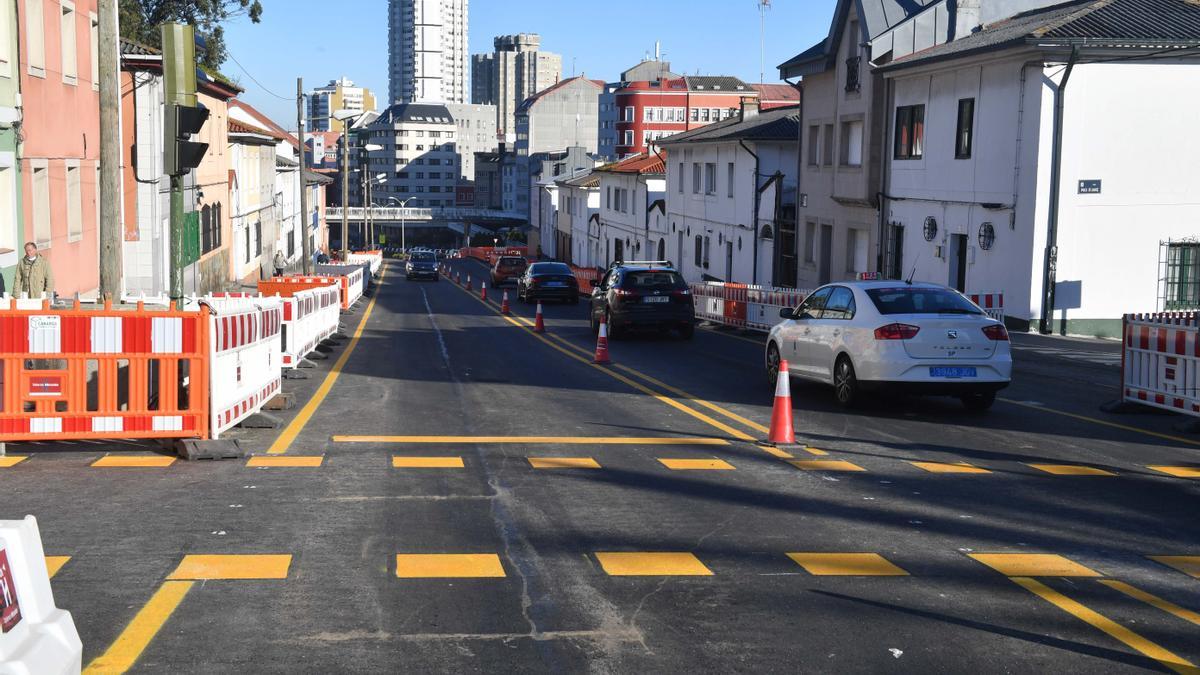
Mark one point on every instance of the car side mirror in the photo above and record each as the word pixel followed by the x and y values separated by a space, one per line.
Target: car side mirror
pixel 787 313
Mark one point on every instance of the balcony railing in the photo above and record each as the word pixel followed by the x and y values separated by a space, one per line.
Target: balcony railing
pixel 853 80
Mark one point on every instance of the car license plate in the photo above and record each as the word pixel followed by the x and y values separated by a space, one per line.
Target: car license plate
pixel 555 284
pixel 656 298
pixel 952 372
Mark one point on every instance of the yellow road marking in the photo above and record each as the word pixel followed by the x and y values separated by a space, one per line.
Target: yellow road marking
pixel 563 463
pixel 781 454
pixel 133 461
pixel 530 440
pixel 293 461
pixel 427 462
pixel 1034 565
pixel 297 425
pixel 1153 600
pixel 1093 420
pixel 54 563
pixel 815 451
pixel 696 464
pixel 652 564
pixel 132 641
pixel 948 467
pixel 1178 471
pixel 227 567
pixel 448 565
pixel 12 460
pixel 1188 564
pixel 1071 470
pixel 1103 623
pixel 847 564
pixel 613 374
pixel 825 465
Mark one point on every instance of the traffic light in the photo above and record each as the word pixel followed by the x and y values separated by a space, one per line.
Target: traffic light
pixel 180 154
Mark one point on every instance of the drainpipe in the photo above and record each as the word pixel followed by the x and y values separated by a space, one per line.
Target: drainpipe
pixel 799 179
pixel 881 198
pixel 1045 325
pixel 757 199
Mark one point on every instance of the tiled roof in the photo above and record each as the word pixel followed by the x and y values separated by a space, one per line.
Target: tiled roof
pixel 426 113
pixel 643 163
pixel 276 131
pixel 587 180
pixel 777 92
pixel 716 83
pixel 1144 24
pixel 237 127
pixel 129 47
pixel 780 124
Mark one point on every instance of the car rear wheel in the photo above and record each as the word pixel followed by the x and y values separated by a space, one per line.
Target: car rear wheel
pixel 845 383
pixel 979 402
pixel 773 360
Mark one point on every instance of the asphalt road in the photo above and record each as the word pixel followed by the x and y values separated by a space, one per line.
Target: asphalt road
pixel 653 535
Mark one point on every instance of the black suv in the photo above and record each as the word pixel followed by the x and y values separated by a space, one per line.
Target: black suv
pixel 643 295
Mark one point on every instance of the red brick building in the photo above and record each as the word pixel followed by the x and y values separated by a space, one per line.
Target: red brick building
pixel 648 111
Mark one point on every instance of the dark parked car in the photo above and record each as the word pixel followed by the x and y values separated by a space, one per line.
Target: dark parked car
pixel 421 264
pixel 643 295
pixel 548 280
pixel 508 268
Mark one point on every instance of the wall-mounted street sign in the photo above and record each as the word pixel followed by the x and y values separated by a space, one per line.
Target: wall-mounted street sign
pixel 1089 187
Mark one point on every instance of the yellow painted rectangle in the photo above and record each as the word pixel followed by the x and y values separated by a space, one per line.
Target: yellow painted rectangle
pixel 847 564
pixel 1071 470
pixel 1034 565
pixel 54 563
pixel 815 451
pixel 696 464
pixel 948 467
pixel 196 567
pixel 134 461
pixel 129 645
pixel 448 565
pixel 652 564
pixel 563 463
pixel 12 460
pixel 782 454
pixel 1188 564
pixel 1178 471
pixel 825 465
pixel 427 462
pixel 530 440
pixel 287 460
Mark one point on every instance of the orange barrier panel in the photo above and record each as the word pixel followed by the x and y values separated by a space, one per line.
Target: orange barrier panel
pixel 102 372
pixel 285 287
pixel 587 277
pixel 735 303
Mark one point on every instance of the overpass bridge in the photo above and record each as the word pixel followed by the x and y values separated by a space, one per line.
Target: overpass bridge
pixel 394 222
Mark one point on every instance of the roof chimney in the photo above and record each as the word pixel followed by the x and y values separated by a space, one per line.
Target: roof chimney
pixel 749 108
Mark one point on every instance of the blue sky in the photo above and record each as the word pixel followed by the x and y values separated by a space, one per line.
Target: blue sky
pixel 320 40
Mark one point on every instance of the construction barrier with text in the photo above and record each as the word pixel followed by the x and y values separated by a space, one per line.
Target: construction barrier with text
pixel 310 315
pixel 743 306
pixel 1160 361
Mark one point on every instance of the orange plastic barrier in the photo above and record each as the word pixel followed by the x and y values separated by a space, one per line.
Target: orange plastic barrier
pixel 285 287
pixel 735 303
pixel 102 372
pixel 587 277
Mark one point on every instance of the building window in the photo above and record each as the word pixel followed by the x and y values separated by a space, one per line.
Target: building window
pixel 681 178
pixel 628 114
pixel 74 205
pixel 258 239
pixel 94 34
pixel 828 143
pixel 810 242
pixel 608 197
pixel 856 251
pixel 910 132
pixel 695 114
pixel 814 150
pixel 647 114
pixel 70 67
pixel 704 114
pixel 699 251
pixel 41 205
pixel 710 178
pixel 966 128
pixel 695 178
pixel 628 138
pixel 729 180
pixel 1182 277
pixel 852 143
pixel 35 37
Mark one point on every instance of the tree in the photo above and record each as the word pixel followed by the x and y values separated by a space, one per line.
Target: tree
pixel 140 21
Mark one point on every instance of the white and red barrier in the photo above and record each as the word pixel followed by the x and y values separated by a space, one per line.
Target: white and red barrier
pixel 309 317
pixel 355 282
pixel 991 303
pixel 373 259
pixel 35 635
pixel 1160 360
pixel 743 306
pixel 246 357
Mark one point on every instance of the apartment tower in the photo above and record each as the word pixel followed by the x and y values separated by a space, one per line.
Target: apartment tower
pixel 427 51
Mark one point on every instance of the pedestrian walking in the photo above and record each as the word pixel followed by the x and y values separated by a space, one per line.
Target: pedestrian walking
pixel 280 263
pixel 33 275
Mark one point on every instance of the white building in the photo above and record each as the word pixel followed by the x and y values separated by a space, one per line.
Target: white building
pixel 578 209
pixel 427 51
pixel 476 133
pixel 340 94
pixel 543 217
pixel 971 162
pixel 419 159
pixel 632 222
pixel 565 115
pixel 252 194
pixel 716 177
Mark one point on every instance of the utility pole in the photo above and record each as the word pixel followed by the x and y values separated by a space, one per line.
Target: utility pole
pixel 345 190
pixel 110 152
pixel 306 243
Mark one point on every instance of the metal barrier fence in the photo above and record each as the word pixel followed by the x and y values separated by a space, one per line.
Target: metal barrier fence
pixel 357 280
pixel 743 306
pixel 991 303
pixel 244 357
pixel 373 259
pixel 1160 360
pixel 310 316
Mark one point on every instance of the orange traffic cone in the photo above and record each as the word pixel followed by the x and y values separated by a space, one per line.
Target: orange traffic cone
pixel 504 304
pixel 539 326
pixel 469 282
pixel 458 278
pixel 483 291
pixel 602 344
pixel 782 432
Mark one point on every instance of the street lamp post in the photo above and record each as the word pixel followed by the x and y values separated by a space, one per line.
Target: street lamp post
pixel 344 116
pixel 403 205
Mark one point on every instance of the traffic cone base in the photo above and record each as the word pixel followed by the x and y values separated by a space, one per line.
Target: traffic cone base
pixel 539 326
pixel 782 430
pixel 504 309
pixel 469 282
pixel 483 291
pixel 602 344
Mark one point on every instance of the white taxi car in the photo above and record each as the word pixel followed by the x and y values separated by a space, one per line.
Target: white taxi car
pixel 911 337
